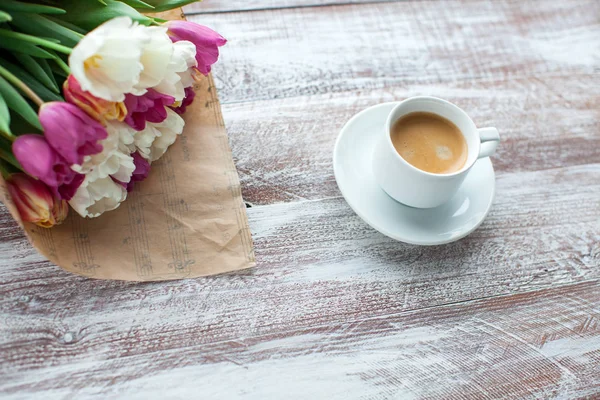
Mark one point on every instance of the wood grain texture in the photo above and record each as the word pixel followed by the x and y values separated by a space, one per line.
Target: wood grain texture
pixel 309 51
pixel 321 271
pixel 544 123
pixel 216 6
pixel 533 345
pixel 334 309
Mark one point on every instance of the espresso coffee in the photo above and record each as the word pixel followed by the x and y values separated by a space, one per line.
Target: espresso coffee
pixel 430 143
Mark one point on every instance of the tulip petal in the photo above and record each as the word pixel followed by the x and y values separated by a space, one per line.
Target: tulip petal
pixel 35 202
pixel 70 131
pixel 37 158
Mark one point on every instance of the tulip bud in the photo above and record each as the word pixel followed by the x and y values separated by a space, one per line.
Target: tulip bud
pixel 206 40
pixel 70 131
pixel 40 160
pixel 99 109
pixel 35 201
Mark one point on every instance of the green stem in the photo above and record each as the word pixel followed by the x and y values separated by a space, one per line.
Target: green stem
pixel 10 158
pixel 8 136
pixel 63 65
pixel 22 86
pixel 36 40
pixel 3 171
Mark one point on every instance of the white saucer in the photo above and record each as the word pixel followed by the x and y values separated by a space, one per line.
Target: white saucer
pixel 444 224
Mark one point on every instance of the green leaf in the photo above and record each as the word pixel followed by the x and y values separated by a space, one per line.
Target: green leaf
pixel 18 104
pixel 4 116
pixel 10 163
pixel 61 63
pixel 138 4
pixel 19 126
pixel 12 5
pixel 89 14
pixel 46 67
pixel 164 5
pixel 7 34
pixel 58 71
pixel 19 46
pixel 38 25
pixel 4 16
pixel 67 25
pixel 36 71
pixel 43 92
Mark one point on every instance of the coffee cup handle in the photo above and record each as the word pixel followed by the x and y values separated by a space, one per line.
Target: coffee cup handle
pixel 489 141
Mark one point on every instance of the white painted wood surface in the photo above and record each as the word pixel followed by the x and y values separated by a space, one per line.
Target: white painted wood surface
pixel 333 309
pixel 212 6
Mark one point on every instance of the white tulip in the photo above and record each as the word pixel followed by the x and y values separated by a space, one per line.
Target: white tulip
pixel 125 133
pixel 114 159
pixel 119 165
pixel 144 139
pixel 109 146
pixel 95 197
pixel 107 62
pixel 156 58
pixel 154 141
pixel 178 75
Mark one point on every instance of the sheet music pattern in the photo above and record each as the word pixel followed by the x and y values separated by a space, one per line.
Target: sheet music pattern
pixel 84 261
pixel 176 207
pixel 138 238
pixel 47 240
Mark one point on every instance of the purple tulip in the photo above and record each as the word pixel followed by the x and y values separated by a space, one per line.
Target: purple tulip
pixel 206 40
pixel 142 169
pixel 187 100
pixel 70 131
pixel 148 107
pixel 67 190
pixel 41 161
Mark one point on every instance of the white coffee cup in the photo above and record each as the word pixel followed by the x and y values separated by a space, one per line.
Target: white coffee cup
pixel 417 188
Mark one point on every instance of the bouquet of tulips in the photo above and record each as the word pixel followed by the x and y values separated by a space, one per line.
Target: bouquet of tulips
pixel 91 93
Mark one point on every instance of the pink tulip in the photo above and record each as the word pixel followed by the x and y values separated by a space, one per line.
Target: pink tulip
pixel 99 109
pixel 148 107
pixel 206 40
pixel 40 160
pixel 187 100
pixel 35 201
pixel 70 131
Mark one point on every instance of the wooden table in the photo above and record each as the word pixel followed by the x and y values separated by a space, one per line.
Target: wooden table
pixel 335 310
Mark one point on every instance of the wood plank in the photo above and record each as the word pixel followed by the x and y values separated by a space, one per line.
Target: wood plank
pixel 308 51
pixel 533 345
pixel 319 266
pixel 216 6
pixel 283 148
pixel 335 309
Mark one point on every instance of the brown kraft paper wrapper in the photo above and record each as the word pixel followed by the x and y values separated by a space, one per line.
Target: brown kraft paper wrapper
pixel 187 219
